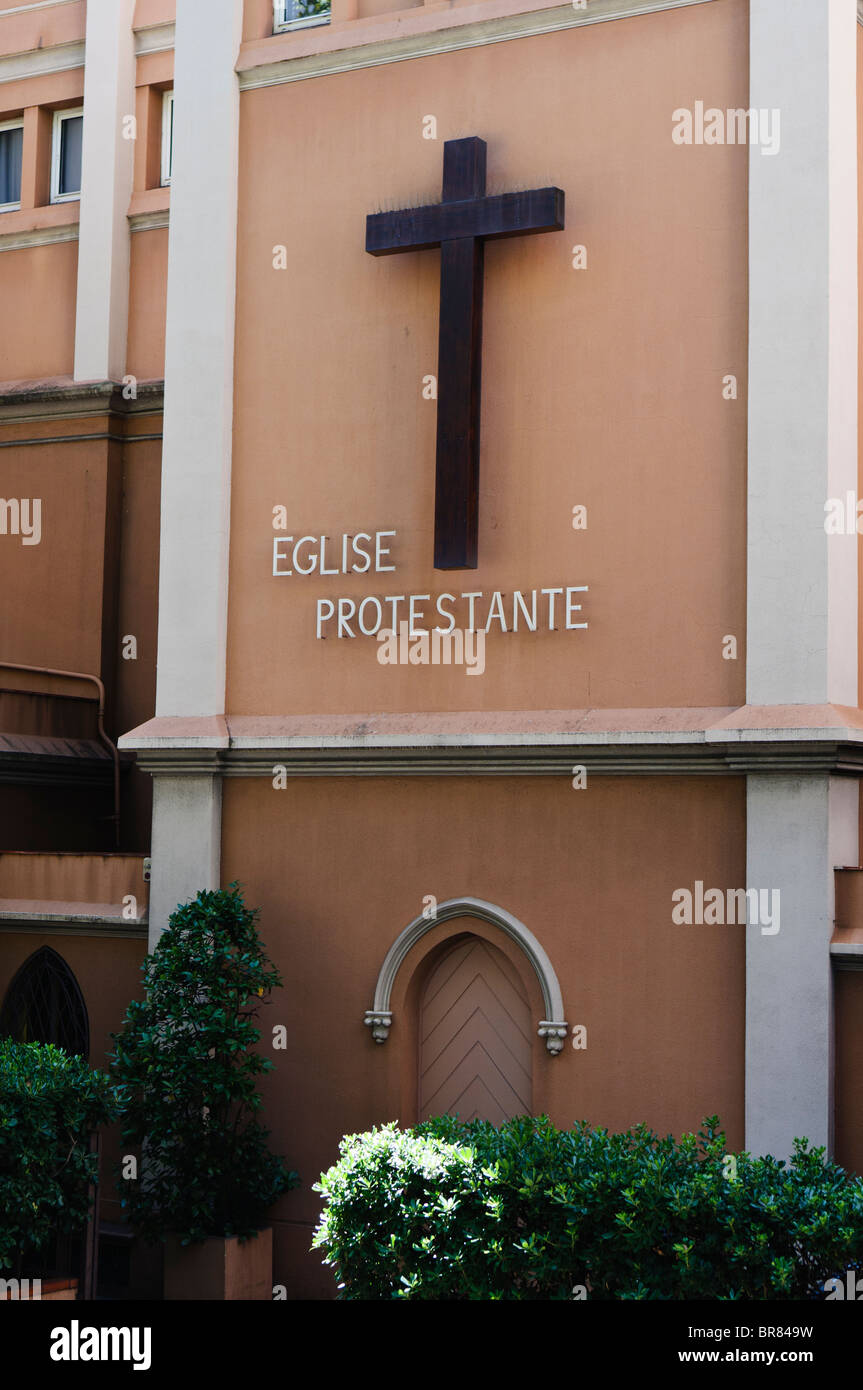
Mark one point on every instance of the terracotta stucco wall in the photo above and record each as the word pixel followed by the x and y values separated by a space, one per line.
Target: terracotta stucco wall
pixel 108 975
pixel 62 579
pixel 107 972
pixel 860 367
pixel 90 583
pixel 148 277
pixel 602 387
pixel 340 866
pixel 137 616
pixel 37 291
pixel 40 26
pixel 849 1069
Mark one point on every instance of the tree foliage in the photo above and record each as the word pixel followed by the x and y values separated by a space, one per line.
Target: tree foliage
pixel 187 1071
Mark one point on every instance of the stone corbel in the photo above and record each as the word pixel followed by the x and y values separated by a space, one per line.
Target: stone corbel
pixel 380 1021
pixel 554 1034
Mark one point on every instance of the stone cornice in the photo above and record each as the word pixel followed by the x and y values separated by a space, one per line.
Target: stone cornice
pixel 787 740
pixel 419 33
pixel 38 236
pixel 624 760
pixel 155 38
pixel 72 924
pixel 64 399
pixel 38 62
pixel 150 221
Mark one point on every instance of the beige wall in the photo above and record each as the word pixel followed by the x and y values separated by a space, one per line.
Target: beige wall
pixel 601 387
pixel 340 866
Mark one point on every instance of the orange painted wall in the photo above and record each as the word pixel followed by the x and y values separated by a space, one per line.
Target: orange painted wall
pixel 601 387
pixel 38 284
pixel 860 371
pixel 63 575
pixel 137 616
pixel 108 974
pixel 148 279
pixel 340 866
pixel 107 971
pixel 93 581
pixel 149 12
pixel 37 27
pixel 257 19
pixel 37 291
pixel 849 1069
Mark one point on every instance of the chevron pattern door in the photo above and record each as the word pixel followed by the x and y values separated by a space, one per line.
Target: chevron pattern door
pixel 475 1037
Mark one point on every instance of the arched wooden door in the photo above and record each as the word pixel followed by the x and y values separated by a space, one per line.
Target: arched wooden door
pixel 475 1037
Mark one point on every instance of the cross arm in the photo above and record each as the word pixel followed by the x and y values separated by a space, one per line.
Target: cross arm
pixel 509 214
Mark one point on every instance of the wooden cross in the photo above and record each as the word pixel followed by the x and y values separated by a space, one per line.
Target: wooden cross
pixel 460 225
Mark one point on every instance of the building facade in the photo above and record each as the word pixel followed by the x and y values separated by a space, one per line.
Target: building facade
pixel 582 837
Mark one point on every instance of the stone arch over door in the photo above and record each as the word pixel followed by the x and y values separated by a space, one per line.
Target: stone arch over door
pixel 474 1034
pixel 552 1028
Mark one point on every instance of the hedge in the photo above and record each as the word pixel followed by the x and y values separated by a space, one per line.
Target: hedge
pixel 467 1211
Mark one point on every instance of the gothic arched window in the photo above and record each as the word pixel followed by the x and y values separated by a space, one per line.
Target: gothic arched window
pixel 44 1004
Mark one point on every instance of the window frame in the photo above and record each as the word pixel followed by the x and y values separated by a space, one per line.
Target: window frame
pixel 56 148
pixel 282 25
pixel 167 152
pixel 16 123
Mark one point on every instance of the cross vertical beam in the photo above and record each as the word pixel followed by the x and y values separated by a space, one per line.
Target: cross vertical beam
pixel 459 368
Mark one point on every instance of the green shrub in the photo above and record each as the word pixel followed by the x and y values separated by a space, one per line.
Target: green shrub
pixel 467 1211
pixel 187 1074
pixel 50 1103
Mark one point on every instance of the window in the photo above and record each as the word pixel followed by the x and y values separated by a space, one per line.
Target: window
pixel 300 14
pixel 11 145
pixel 167 137
pixel 66 156
pixel 44 1004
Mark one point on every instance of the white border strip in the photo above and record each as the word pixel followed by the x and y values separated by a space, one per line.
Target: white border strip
pixel 37 5
pixel 157 38
pixel 39 236
pixel 39 62
pixel 149 221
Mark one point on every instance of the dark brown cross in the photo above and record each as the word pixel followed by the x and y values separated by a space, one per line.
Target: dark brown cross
pixel 460 225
